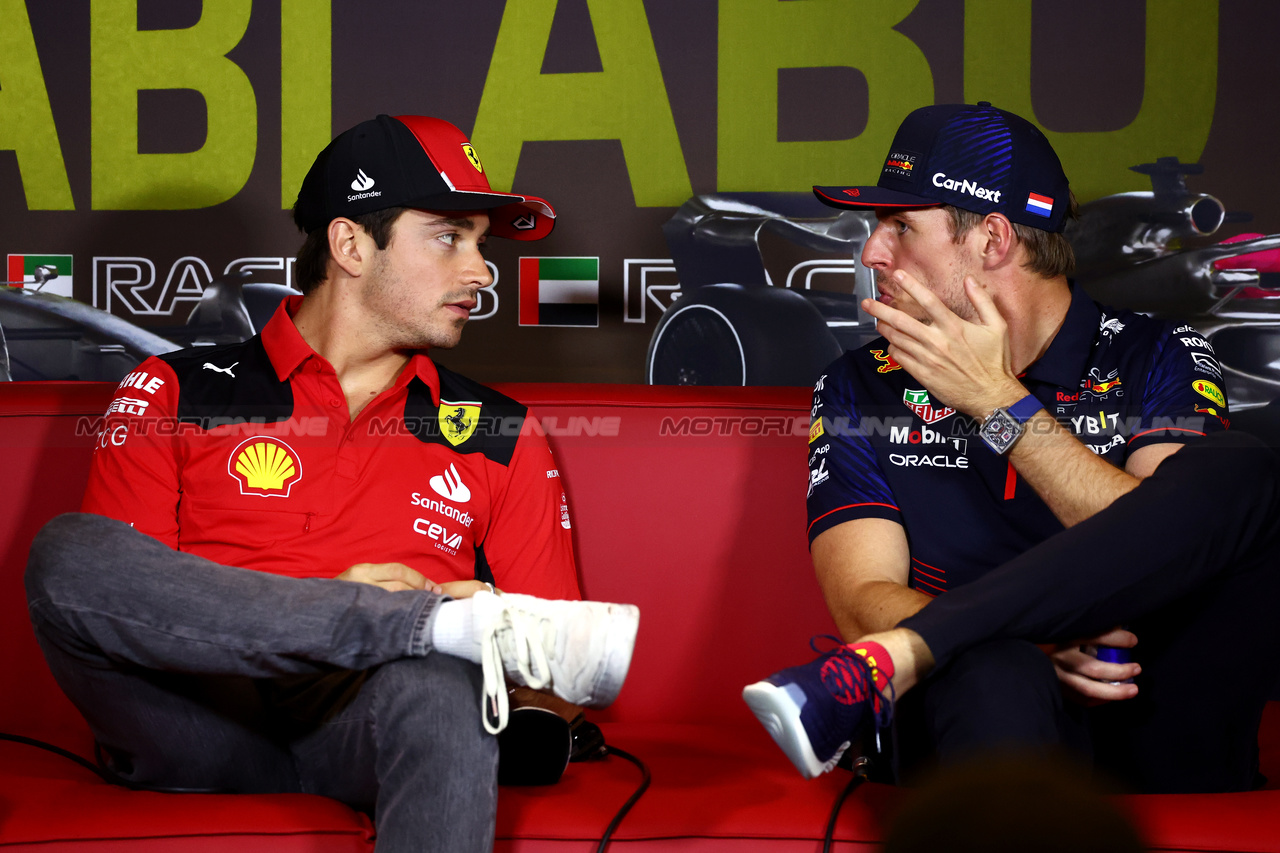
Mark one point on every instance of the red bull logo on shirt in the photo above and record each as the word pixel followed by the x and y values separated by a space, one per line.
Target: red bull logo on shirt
pixel 887 365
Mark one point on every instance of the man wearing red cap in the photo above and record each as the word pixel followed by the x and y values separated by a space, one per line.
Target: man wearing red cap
pixel 285 574
pixel 1013 464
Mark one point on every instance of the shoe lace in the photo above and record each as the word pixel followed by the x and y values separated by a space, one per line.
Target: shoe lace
pixel 848 674
pixel 526 646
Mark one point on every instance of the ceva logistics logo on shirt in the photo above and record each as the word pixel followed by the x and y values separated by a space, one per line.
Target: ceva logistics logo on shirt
pixel 264 466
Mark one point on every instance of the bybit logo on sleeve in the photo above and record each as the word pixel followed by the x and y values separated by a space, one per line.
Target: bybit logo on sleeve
pixel 265 466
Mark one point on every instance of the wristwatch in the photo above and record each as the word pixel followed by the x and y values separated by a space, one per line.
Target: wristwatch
pixel 1003 427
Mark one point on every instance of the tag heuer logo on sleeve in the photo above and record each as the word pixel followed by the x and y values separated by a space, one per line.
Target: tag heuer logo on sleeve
pixel 918 401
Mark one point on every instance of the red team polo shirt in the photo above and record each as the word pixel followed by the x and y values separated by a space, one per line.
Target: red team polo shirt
pixel 246 455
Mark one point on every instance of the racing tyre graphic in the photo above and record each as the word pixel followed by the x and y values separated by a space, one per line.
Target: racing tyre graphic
pixel 727 334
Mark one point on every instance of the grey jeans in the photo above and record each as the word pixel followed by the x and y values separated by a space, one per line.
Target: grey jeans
pixel 201 676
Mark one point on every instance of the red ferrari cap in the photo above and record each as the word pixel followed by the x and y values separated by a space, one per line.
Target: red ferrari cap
pixel 411 161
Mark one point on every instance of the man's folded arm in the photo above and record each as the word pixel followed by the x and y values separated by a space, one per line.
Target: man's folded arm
pixel 863 567
pixel 133 476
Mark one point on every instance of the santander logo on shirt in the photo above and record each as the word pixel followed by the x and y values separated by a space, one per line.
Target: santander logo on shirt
pixel 449 485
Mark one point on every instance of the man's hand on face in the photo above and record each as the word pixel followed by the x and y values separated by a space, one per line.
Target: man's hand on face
pixel 966 365
pixel 397 577
pixel 1090 681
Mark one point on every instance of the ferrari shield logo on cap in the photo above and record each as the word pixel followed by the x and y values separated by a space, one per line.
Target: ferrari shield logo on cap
pixel 472 157
pixel 458 421
pixel 264 466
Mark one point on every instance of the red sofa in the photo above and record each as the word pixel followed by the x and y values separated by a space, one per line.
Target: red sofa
pixel 688 502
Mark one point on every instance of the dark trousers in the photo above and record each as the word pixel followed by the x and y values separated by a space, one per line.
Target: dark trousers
pixel 1190 562
pixel 199 676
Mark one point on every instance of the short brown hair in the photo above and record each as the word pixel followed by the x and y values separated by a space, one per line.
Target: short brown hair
pixel 312 266
pixel 1049 253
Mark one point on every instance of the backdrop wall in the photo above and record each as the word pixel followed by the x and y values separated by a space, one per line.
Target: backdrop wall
pixel 159 143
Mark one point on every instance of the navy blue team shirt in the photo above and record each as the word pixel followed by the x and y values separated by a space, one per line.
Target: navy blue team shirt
pixel 880 447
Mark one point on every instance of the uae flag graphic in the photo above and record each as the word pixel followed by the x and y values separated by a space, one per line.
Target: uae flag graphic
pixel 559 291
pixel 23 268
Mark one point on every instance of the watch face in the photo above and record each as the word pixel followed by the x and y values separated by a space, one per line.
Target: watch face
pixel 1000 431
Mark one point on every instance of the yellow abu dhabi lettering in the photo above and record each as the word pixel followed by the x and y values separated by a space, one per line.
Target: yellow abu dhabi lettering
pixel 124 61
pixel 760 37
pixel 1180 89
pixel 26 119
pixel 306 97
pixel 626 101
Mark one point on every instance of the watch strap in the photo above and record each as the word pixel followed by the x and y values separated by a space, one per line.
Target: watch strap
pixel 1024 409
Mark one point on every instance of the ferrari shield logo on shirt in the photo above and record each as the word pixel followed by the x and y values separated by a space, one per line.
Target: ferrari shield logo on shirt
pixel 918 401
pixel 265 466
pixel 458 420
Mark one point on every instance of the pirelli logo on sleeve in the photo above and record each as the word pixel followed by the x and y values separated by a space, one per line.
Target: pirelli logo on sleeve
pixel 816 431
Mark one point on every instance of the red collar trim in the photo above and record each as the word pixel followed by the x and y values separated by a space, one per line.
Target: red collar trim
pixel 288 351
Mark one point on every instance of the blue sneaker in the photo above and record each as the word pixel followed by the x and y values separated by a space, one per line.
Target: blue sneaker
pixel 814 711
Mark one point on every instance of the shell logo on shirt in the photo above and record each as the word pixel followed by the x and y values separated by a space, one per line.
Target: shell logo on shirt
pixel 265 466
pixel 458 420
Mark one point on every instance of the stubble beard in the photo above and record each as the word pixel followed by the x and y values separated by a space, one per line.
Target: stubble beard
pixel 952 295
pixel 385 300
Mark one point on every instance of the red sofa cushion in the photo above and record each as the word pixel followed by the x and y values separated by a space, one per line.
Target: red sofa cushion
pixel 688 502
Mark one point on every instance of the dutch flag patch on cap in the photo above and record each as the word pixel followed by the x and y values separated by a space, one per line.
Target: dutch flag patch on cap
pixel 1041 205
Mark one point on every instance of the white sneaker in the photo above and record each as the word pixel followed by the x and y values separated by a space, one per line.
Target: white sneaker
pixel 580 649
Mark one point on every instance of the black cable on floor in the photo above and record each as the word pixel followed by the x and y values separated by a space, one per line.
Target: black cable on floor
pixel 57 750
pixel 112 779
pixel 635 798
pixel 861 766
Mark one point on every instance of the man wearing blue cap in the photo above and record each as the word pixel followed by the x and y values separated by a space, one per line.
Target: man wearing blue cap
pixel 995 479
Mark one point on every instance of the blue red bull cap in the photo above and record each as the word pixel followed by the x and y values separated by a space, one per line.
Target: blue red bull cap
pixel 974 157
